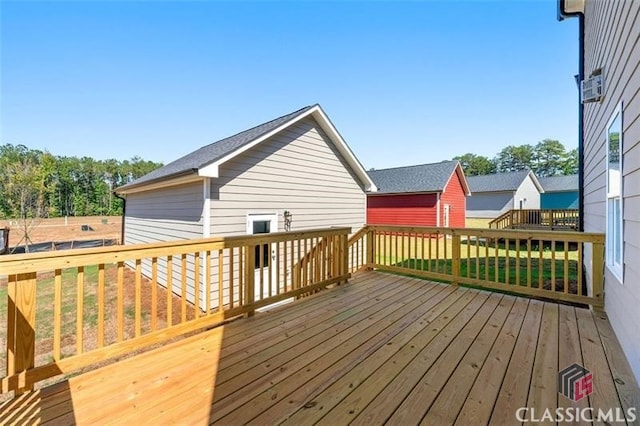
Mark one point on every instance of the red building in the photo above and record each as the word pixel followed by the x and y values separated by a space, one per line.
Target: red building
pixel 423 195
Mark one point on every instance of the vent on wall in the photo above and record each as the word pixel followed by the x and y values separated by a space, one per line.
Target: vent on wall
pixel 592 87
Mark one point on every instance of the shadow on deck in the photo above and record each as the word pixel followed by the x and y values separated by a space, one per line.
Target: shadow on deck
pixel 383 348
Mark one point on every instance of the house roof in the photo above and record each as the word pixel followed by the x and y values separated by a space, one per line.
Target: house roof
pixel 205 161
pixel 559 183
pixel 420 178
pixel 501 181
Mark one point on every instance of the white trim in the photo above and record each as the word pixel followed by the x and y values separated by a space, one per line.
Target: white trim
pixel 206 208
pixel 182 180
pixel 616 269
pixel 272 217
pixel 213 169
pixel 438 209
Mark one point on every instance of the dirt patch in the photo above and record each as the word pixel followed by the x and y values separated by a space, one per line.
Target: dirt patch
pixel 61 229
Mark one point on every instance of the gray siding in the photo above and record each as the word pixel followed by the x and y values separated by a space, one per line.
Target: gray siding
pixel 489 205
pixel 168 214
pixel 612 42
pixel 297 170
pixel 527 191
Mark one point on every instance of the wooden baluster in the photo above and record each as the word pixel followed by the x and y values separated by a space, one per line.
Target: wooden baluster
pixel 120 298
pixel 240 274
pixel 101 305
pixel 57 314
pixel 169 290
pixel 138 298
pixel 278 281
pixel 486 259
pixel 517 261
pixel 566 266
pixel 469 257
pixel 597 274
pixel 154 293
pixel 231 256
pixel 477 245
pixel 249 277
pixel 553 265
pixel 207 283
pixel 455 257
pixel 579 267
pixel 284 266
pixel 221 283
pixel 507 258
pixel 197 270
pixel 540 264
pixel 496 254
pixel 529 262
pixel 80 310
pixel 183 288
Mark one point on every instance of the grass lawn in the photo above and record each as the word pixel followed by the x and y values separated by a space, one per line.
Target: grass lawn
pixel 503 264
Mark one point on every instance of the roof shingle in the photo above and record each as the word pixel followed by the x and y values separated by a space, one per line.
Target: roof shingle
pixel 215 151
pixel 559 183
pixel 497 181
pixel 421 178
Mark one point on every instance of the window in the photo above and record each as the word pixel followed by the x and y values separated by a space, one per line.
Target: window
pixel 614 239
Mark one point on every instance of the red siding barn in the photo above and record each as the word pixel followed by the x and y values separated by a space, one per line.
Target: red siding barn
pixel 424 195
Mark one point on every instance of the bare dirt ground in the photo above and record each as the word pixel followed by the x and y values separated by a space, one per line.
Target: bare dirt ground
pixel 57 229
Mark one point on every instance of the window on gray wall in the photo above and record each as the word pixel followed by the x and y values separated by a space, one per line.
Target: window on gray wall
pixel 614 235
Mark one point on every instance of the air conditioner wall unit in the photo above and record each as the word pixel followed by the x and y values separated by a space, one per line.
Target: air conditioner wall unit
pixel 592 89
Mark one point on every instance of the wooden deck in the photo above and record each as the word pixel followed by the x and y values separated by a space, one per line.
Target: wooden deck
pixel 383 348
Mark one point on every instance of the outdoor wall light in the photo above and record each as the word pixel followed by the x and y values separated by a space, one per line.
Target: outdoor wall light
pixel 288 217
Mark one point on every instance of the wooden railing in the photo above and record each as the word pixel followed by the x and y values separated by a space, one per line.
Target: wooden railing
pixel 545 264
pixel 565 219
pixel 360 254
pixel 68 310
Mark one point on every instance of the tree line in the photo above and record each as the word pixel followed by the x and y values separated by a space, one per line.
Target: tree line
pixel 547 158
pixel 36 184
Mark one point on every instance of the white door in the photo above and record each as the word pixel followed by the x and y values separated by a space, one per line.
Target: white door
pixel 264 254
pixel 447 207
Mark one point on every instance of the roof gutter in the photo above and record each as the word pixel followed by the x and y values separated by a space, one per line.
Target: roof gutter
pixel 562 14
pixel 133 185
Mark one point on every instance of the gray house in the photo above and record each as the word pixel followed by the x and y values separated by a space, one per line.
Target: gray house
pixel 243 184
pixel 497 193
pixel 609 144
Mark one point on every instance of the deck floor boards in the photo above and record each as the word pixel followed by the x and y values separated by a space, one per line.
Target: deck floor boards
pixel 382 348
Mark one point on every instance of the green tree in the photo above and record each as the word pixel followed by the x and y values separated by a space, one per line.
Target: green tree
pixel 473 164
pixel 515 158
pixel 570 164
pixel 549 157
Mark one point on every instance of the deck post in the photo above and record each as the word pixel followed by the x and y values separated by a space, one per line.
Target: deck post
pixel 455 257
pixel 371 249
pixel 21 326
pixel 249 276
pixel 597 274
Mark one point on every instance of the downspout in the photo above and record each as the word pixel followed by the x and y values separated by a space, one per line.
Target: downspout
pixel 580 125
pixel 124 214
pixel 580 15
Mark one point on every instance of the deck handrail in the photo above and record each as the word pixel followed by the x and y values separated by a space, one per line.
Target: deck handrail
pixel 538 263
pixel 211 280
pixel 539 218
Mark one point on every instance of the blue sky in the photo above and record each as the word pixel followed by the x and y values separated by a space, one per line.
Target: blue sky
pixel 404 82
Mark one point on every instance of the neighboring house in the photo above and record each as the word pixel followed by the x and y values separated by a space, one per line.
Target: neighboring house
pixel 244 184
pixel 423 195
pixel 560 192
pixel 500 192
pixel 609 144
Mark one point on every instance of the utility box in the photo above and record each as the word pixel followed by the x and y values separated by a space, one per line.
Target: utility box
pixel 4 240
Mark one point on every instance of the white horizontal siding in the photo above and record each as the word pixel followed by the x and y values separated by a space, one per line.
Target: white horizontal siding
pixel 612 42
